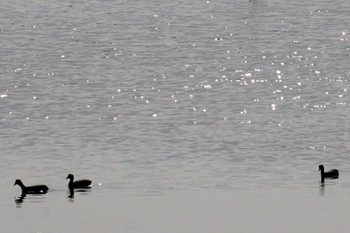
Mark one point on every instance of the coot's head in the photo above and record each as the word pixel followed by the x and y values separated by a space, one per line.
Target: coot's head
pixel 18 182
pixel 70 176
pixel 321 168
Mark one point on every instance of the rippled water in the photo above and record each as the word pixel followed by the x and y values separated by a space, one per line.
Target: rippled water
pixel 154 96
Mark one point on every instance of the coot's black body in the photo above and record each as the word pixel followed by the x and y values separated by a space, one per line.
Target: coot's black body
pixel 35 189
pixel 79 184
pixel 331 174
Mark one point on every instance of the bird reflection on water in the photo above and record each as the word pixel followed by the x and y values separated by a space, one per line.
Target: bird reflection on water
pixel 19 200
pixel 30 197
pixel 322 189
pixel 71 192
pixel 331 185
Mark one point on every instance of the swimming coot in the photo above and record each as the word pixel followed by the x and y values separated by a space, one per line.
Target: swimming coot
pixel 35 189
pixel 331 174
pixel 78 184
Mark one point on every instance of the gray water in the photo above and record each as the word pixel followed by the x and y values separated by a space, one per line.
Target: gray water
pixel 161 101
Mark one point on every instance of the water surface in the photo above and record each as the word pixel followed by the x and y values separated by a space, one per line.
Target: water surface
pixel 170 107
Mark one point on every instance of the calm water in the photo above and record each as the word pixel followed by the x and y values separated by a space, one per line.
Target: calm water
pixel 175 109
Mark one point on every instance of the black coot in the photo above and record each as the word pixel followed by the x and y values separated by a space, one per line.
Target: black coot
pixel 331 174
pixel 79 184
pixel 35 189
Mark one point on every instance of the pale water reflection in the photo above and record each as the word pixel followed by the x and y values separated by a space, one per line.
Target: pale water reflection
pixel 239 210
